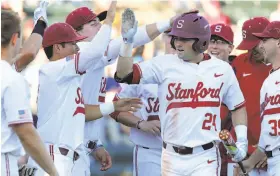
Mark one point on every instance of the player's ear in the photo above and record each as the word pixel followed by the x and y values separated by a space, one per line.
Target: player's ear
pixel 56 48
pixel 14 39
pixel 230 48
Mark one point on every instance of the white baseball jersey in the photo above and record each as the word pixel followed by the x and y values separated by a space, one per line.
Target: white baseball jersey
pixel 94 81
pixel 190 96
pixel 149 111
pixel 15 107
pixel 270 112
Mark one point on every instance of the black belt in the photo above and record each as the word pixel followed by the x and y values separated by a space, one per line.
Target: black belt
pixel 269 153
pixel 65 151
pixel 188 150
pixel 91 145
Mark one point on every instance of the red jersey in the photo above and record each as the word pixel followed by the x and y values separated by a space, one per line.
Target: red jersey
pixel 251 76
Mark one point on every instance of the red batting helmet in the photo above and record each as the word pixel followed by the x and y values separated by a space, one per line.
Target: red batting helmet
pixel 192 26
pixel 83 15
pixel 222 30
pixel 60 33
pixel 253 25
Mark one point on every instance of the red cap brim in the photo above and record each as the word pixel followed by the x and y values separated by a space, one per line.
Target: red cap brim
pixel 261 35
pixel 248 45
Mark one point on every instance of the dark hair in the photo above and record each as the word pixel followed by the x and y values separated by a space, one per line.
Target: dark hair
pixel 10 24
pixel 49 50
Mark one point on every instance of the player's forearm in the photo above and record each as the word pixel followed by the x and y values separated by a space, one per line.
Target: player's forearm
pixel 32 45
pixel 94 50
pixel 94 112
pixel 239 117
pixel 34 146
pixel 125 61
pixel 127 119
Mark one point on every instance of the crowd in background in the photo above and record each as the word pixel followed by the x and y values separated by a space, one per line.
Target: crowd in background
pixel 114 135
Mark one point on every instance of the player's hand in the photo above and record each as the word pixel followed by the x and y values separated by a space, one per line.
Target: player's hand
pixel 41 12
pixel 111 13
pixel 129 25
pixel 242 146
pixel 262 164
pixel 26 170
pixel 127 104
pixel 152 127
pixel 247 166
pixel 104 158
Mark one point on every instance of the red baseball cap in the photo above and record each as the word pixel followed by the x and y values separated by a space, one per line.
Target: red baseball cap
pixel 83 15
pixel 253 25
pixel 60 33
pixel 271 31
pixel 222 30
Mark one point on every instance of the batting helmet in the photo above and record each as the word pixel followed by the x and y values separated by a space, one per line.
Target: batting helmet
pixel 60 33
pixel 192 26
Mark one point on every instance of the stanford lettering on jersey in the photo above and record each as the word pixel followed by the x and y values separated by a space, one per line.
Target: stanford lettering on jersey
pixel 176 92
pixel 272 100
pixel 79 101
pixel 153 105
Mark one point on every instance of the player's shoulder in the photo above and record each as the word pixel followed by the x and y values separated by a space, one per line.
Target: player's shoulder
pixel 53 66
pixel 273 78
pixel 241 59
pixel 9 75
pixel 219 63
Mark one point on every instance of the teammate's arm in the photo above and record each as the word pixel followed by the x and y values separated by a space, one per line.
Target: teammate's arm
pixel 34 42
pixel 93 112
pixel 92 51
pixel 34 146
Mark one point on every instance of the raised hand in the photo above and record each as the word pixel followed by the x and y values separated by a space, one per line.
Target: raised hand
pixel 129 25
pixel 41 12
pixel 111 13
pixel 127 104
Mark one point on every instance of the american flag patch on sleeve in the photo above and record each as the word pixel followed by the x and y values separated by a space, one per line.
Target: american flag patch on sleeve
pixel 23 114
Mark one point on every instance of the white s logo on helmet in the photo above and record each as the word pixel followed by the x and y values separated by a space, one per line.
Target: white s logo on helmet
pixel 180 23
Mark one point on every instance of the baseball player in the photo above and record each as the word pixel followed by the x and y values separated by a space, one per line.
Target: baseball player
pixel 61 109
pixel 251 72
pixel 87 23
pixel 220 46
pixel 17 129
pixel 269 142
pixel 192 86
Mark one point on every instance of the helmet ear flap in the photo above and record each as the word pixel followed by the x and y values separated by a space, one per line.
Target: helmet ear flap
pixel 172 42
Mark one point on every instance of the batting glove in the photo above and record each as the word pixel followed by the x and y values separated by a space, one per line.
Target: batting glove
pixel 41 11
pixel 242 146
pixel 25 170
pixel 129 25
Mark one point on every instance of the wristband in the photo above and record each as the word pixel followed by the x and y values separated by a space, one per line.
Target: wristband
pixel 126 49
pixel 40 27
pixel 241 131
pixel 107 108
pixel 163 26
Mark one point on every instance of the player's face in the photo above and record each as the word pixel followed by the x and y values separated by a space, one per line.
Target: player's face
pixel 269 48
pixel 257 54
pixel 90 29
pixel 67 49
pixel 184 48
pixel 220 49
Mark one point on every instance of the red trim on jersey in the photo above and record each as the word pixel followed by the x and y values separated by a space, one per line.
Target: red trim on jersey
pixel 20 121
pixel 77 58
pixel 79 110
pixel 135 164
pixel 271 111
pixel 7 165
pixel 101 99
pixel 240 105
pixel 137 74
pixel 193 104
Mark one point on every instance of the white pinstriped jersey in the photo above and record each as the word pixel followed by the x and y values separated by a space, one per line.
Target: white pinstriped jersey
pixel 270 112
pixel 190 96
pixel 15 107
pixel 149 111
